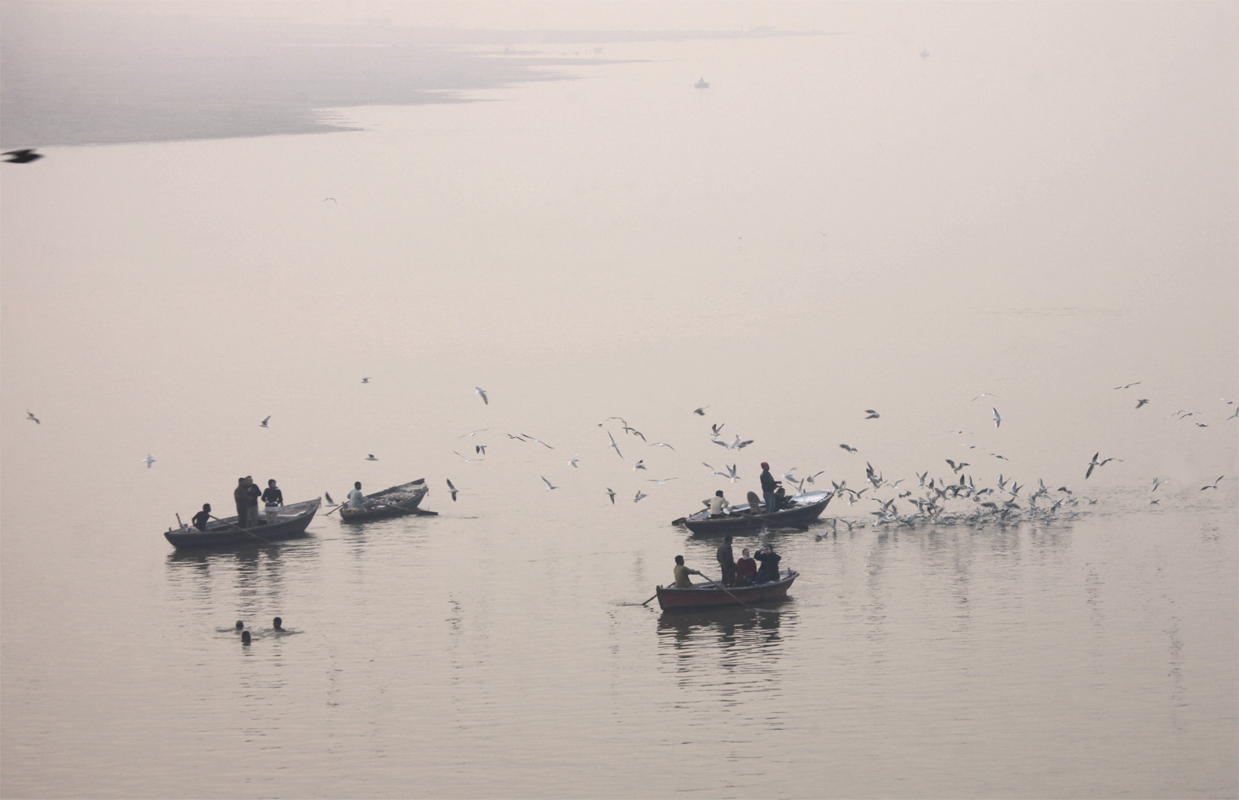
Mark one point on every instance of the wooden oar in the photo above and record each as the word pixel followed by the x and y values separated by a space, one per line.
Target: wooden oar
pixel 647 602
pixel 737 599
pixel 243 530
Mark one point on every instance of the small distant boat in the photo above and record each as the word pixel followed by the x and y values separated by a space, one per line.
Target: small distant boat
pixel 801 510
pixel 701 84
pixel 290 524
pixel 711 595
pixel 398 501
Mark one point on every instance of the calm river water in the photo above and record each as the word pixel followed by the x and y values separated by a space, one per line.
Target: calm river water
pixel 836 224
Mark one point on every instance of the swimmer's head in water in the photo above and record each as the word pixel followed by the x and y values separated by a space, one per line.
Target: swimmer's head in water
pixel 240 624
pixel 245 637
pixel 277 623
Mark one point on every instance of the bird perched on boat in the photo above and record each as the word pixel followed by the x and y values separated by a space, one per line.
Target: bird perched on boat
pixel 482 393
pixel 370 457
pixel 613 444
pixel 22 156
pixel 452 490
pixel 549 485
pixel 848 448
pixel 264 422
pixel 871 414
pixel 150 459
pixel 701 412
pixel 639 497
pixel 611 494
pixel 30 416
pixel 997 418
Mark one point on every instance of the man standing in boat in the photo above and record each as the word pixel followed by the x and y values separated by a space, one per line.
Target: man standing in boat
pixel 272 499
pixel 242 499
pixel 727 562
pixel 681 574
pixel 768 487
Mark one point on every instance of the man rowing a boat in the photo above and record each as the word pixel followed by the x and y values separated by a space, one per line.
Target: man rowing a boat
pixel 681 574
pixel 356 500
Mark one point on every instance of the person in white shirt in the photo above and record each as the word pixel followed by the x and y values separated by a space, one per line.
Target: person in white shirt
pixel 356 500
pixel 717 504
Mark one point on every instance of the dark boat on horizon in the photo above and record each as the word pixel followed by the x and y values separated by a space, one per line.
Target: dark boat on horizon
pixel 802 509
pixel 712 595
pixel 290 524
pixel 397 501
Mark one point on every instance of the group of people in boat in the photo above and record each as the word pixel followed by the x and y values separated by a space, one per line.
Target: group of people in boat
pixel 735 572
pixel 247 494
pixel 772 491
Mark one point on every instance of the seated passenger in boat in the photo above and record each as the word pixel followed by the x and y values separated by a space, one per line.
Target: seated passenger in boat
pixel 356 500
pixel 681 574
pixel 717 504
pixel 769 570
pixel 746 568
pixel 202 517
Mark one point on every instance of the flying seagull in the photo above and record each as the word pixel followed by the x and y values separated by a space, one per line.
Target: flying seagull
pixel 482 393
pixel 365 380
pixel 22 156
pixel 329 500
pixel 872 414
pixel 848 448
pixel 717 429
pixel 264 422
pixel 640 464
pixel 638 498
pixel 997 418
pixel 480 449
pixel 701 412
pixel 452 489
pixel 1092 464
pixel 1141 402
pixel 549 486
pixel 1128 385
pixel 1212 485
pixel 573 461
pixel 661 444
pixel 611 494
pixel 370 457
pixel 150 459
pixel 613 444
pixel 30 416
pixel 983 394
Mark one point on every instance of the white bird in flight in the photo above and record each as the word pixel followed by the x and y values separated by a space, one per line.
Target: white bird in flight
pixel 611 494
pixel 613 444
pixel 452 489
pixel 264 422
pixel 659 482
pixel 1128 385
pixel 370 457
pixel 549 485
pixel 573 461
pixel 872 414
pixel 150 459
pixel 365 380
pixel 701 412
pixel 30 416
pixel 997 418
pixel 640 464
pixel 482 393
pixel 638 498
pixel 848 448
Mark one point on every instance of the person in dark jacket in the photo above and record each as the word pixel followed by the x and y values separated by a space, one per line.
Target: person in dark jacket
pixel 242 498
pixel 253 493
pixel 273 500
pixel 203 517
pixel 727 562
pixel 769 570
pixel 768 487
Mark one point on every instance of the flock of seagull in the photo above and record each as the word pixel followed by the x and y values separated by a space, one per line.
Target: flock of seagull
pixel 938 503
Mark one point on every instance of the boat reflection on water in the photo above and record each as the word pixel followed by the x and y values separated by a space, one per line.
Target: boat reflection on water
pixel 734 628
